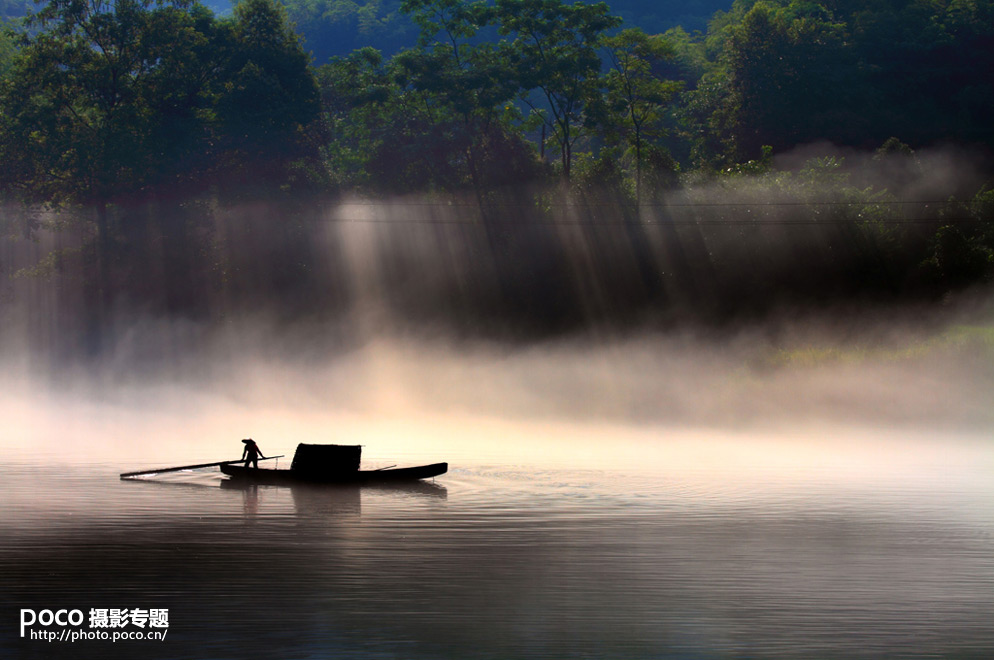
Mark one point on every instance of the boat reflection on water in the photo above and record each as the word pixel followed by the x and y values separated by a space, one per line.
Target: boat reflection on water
pixel 324 500
pixel 330 500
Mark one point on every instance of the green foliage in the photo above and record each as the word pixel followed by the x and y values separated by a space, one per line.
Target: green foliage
pixel 468 84
pixel 445 112
pixel 636 98
pixel 929 68
pixel 689 60
pixel 269 95
pixel 8 49
pixel 386 135
pixel 768 74
pixel 80 111
pixel 437 117
pixel 332 28
pixel 789 72
pixel 962 252
pixel 111 101
pixel 957 258
pixel 552 49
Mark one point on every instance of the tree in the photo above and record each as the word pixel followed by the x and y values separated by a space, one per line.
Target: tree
pixel 385 134
pixel 268 96
pixel 554 52
pixel 108 104
pixel 788 72
pixel 468 81
pixel 438 116
pixel 928 69
pixel 124 106
pixel 7 50
pixel 636 97
pixel 114 100
pixel 334 28
pixel 790 77
pixel 83 109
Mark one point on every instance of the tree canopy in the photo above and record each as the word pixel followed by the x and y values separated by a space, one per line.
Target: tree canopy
pixel 788 72
pixel 108 100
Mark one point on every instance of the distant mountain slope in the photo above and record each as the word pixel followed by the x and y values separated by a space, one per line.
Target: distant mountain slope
pixel 337 27
pixel 657 16
pixel 14 8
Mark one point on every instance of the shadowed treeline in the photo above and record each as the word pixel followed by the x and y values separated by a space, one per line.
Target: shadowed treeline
pixel 525 265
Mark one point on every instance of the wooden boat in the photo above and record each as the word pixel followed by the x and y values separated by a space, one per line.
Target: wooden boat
pixel 357 477
pixel 314 464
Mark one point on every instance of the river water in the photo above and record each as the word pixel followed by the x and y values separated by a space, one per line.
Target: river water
pixel 861 550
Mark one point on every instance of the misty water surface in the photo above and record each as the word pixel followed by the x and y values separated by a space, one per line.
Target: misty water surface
pixel 687 543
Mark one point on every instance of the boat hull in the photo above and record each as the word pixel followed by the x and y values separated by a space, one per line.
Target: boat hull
pixel 393 475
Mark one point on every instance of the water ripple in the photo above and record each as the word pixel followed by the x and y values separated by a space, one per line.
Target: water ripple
pixel 509 562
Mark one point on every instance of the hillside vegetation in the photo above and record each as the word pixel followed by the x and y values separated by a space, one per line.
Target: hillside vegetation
pixel 676 155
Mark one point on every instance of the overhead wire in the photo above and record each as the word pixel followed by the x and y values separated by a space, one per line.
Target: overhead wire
pixel 532 204
pixel 681 207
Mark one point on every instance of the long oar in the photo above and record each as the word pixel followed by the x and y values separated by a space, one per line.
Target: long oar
pixel 127 475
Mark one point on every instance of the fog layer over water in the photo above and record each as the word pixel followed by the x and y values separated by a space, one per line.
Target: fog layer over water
pixel 765 494
pixel 485 397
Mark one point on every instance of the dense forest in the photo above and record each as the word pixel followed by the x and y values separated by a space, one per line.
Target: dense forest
pixel 131 131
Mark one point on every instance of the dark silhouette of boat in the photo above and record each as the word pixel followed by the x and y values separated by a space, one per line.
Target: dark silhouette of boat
pixel 330 464
pixel 279 477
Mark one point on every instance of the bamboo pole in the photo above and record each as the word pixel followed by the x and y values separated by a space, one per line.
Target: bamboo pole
pixel 128 475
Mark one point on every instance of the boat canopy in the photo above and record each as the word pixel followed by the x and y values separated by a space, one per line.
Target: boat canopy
pixel 326 459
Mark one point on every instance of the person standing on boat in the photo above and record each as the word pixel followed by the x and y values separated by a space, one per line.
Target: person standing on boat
pixel 252 453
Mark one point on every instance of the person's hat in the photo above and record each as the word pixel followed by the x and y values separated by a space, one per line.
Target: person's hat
pixel 249 441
